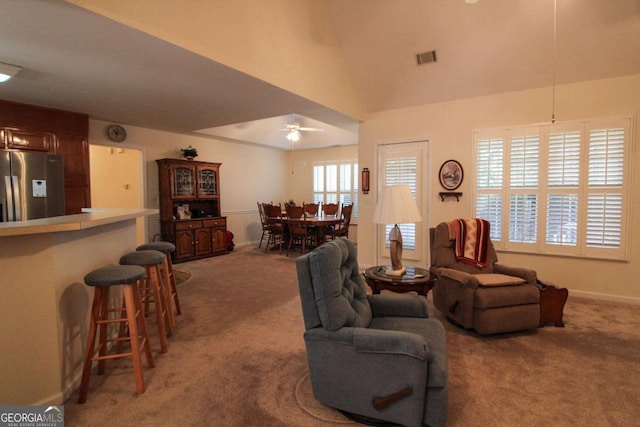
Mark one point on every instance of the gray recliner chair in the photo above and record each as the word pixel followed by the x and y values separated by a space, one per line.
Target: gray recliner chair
pixel 492 299
pixel 377 356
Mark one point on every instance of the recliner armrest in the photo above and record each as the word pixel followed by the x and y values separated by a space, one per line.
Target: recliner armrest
pixel 466 279
pixel 374 341
pixel 525 273
pixel 404 305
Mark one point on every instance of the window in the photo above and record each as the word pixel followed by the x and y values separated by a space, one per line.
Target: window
pixel 336 182
pixel 558 188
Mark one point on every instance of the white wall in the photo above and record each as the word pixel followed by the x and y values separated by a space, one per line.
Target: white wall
pixel 448 127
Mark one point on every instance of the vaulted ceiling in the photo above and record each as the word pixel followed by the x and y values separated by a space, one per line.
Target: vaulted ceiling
pixel 76 60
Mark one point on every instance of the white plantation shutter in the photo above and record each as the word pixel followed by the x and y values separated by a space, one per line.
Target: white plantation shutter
pixel 524 160
pixel 564 159
pixel 523 218
pixel 604 220
pixel 606 157
pixel 318 183
pixel 331 184
pixel 489 170
pixel 606 173
pixel 489 158
pixel 525 156
pixel 562 219
pixel 403 170
pixel 567 187
pixel 563 180
pixel 349 186
pixel 489 207
pixel 336 182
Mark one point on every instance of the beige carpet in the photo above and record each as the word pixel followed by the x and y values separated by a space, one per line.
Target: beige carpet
pixel 237 358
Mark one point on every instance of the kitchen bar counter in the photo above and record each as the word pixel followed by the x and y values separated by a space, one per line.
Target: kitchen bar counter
pixel 88 219
pixel 45 305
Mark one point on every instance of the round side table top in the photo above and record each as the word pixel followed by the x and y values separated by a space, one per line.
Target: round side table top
pixel 412 276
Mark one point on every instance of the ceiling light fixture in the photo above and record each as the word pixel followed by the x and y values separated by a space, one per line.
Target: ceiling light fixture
pixel 7 71
pixel 293 135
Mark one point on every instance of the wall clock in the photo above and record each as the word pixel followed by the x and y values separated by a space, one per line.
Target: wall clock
pixel 116 133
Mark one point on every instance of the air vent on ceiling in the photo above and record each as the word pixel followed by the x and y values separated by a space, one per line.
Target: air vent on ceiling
pixel 426 57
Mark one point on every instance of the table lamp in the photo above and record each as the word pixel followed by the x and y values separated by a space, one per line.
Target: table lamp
pixel 396 206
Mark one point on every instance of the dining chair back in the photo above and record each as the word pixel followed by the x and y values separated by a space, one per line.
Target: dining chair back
pixel 343 228
pixel 311 208
pixel 330 208
pixel 263 221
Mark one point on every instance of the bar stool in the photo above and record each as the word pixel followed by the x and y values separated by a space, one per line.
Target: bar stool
pixel 102 280
pixel 153 289
pixel 167 249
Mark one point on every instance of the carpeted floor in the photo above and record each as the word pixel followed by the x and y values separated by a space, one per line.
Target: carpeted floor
pixel 237 358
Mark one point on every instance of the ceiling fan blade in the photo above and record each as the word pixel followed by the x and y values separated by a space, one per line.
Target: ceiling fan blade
pixel 312 129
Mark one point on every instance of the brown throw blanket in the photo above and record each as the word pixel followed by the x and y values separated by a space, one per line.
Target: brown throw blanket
pixel 472 240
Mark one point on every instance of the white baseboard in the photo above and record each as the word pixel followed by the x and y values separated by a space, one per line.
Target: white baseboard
pixel 604 297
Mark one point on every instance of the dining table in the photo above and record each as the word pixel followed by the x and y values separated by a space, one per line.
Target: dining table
pixel 320 222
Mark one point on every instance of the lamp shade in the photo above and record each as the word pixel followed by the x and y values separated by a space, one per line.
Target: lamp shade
pixel 396 206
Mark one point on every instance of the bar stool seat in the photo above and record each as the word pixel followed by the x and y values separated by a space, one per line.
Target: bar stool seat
pixel 167 248
pixel 153 290
pixel 102 280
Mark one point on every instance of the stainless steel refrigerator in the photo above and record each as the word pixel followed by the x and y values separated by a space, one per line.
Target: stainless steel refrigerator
pixel 31 185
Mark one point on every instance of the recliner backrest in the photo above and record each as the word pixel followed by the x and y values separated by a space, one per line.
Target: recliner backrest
pixel 443 252
pixel 331 288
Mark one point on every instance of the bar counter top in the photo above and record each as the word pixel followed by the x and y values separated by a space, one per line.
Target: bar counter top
pixel 88 219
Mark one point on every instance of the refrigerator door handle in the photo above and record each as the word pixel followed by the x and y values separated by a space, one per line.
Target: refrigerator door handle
pixel 17 199
pixel 8 184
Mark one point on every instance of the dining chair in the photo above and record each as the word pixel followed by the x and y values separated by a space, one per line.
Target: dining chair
pixel 298 231
pixel 342 229
pixel 265 225
pixel 275 222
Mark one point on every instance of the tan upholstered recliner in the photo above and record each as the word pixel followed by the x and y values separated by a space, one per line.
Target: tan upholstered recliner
pixel 492 299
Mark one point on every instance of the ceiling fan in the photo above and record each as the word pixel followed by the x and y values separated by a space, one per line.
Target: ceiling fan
pixel 293 131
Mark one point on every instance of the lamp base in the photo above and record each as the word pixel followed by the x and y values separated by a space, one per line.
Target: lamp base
pixel 398 272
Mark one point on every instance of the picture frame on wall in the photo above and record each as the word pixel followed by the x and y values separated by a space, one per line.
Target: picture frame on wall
pixel 451 175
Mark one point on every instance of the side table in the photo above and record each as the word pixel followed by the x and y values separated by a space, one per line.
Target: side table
pixel 415 279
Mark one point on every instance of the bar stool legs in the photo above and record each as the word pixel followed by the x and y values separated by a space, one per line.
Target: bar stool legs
pixel 102 315
pixel 153 290
pixel 172 291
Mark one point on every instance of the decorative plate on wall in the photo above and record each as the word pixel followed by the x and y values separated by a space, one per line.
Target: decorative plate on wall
pixel 451 175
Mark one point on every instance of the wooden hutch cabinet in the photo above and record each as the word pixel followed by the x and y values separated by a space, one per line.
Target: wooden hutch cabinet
pixel 190 208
